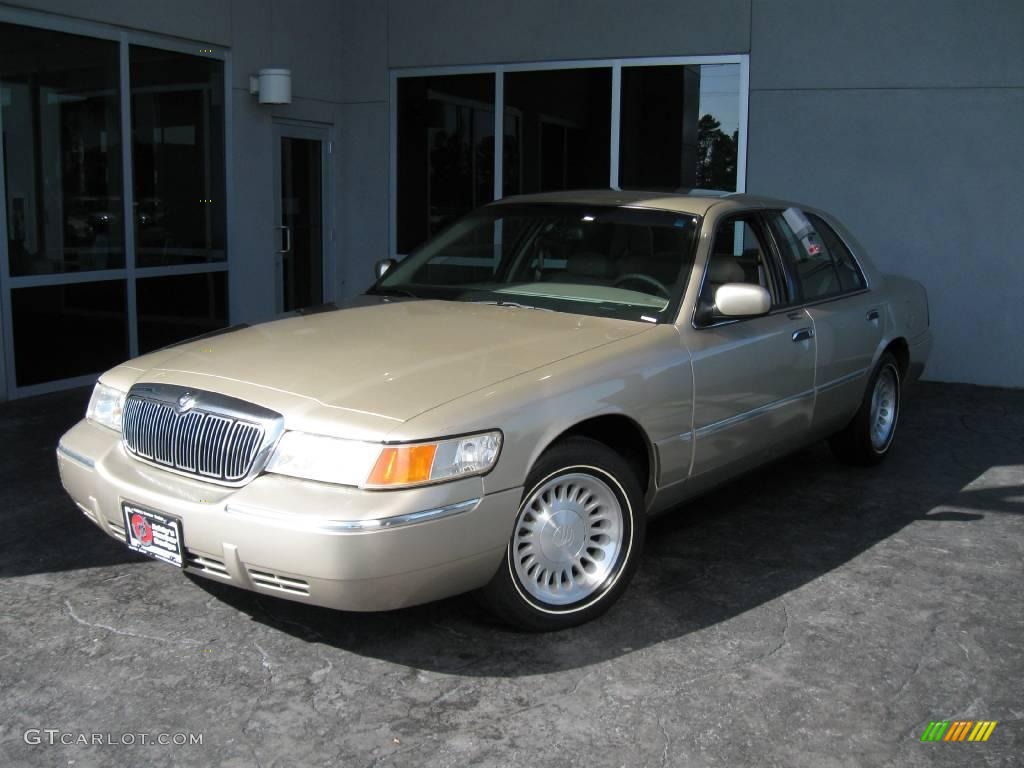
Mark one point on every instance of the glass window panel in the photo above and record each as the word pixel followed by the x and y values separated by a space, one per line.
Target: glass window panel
pixel 62 331
pixel 738 255
pixel 177 157
pixel 850 277
pixel 180 307
pixel 805 255
pixel 560 132
pixel 445 152
pixel 60 111
pixel 679 127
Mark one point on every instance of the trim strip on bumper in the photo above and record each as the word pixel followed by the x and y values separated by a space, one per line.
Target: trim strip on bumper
pixel 74 456
pixel 300 522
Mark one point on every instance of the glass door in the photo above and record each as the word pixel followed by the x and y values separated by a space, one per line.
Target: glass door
pixel 302 237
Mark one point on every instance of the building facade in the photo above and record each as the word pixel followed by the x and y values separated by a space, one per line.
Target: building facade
pixel 149 196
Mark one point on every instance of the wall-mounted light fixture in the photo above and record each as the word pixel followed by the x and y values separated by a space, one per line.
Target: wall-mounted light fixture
pixel 273 86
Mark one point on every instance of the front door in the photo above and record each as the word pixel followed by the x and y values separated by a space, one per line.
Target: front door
pixel 303 237
pixel 753 378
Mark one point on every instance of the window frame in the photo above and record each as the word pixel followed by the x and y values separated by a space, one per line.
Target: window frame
pixel 124 38
pixel 793 276
pixel 775 265
pixel 499 70
pixel 845 246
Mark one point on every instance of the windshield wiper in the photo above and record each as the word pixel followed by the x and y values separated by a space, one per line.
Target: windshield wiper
pixel 504 303
pixel 392 292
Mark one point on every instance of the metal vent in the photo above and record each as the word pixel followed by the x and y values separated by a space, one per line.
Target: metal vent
pixel 278 582
pixel 202 434
pixel 118 530
pixel 208 565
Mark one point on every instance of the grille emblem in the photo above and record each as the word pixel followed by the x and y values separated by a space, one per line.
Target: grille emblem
pixel 186 401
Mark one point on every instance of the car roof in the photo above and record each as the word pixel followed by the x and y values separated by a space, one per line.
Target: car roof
pixel 696 202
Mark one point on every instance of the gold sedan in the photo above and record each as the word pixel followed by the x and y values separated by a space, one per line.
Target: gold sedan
pixel 505 408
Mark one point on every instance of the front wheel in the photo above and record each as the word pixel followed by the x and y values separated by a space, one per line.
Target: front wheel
pixel 866 440
pixel 576 540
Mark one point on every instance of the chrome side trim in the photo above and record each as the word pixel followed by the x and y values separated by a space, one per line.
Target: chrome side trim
pixel 841 380
pixel 753 413
pixel 75 456
pixel 312 525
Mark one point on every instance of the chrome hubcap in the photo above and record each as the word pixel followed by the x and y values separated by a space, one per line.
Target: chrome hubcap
pixel 884 406
pixel 567 539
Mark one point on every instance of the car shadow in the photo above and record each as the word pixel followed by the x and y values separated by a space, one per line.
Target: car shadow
pixel 42 531
pixel 713 559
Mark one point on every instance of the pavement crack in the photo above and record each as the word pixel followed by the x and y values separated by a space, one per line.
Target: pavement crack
pixel 920 661
pixel 265 660
pixel 784 640
pixel 125 632
pixel 668 743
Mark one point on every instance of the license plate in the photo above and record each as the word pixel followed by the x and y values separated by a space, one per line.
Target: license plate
pixel 153 533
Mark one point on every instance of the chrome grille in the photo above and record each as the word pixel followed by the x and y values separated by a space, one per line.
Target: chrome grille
pixel 219 446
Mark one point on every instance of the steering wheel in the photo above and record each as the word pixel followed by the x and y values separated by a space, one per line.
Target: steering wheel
pixel 639 278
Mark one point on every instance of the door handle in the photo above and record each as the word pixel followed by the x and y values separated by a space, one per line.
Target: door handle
pixel 287 239
pixel 872 316
pixel 803 334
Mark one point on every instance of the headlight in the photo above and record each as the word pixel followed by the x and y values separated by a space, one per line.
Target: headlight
pixel 372 465
pixel 105 406
pixel 328 459
pixel 419 463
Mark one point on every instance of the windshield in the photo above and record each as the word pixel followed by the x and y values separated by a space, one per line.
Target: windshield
pixel 595 260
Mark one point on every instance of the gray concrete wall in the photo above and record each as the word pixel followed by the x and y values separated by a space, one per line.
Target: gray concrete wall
pixel 902 118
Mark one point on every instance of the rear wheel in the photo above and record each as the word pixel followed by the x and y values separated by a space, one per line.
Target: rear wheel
pixel 576 540
pixel 866 440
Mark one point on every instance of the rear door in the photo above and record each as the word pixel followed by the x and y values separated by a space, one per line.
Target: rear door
pixel 848 322
pixel 754 377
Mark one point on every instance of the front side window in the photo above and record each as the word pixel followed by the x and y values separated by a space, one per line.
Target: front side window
pixel 592 260
pixel 738 255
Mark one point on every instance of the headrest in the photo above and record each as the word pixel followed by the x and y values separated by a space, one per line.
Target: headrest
pixel 588 264
pixel 725 269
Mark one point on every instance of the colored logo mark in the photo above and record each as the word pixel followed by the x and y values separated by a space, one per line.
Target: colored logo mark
pixel 958 730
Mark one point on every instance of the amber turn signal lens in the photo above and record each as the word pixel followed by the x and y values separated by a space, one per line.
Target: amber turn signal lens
pixel 403 465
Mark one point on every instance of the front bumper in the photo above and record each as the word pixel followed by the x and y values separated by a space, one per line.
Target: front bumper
pixel 315 543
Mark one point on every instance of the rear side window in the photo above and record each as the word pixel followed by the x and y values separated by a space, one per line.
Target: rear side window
pixel 822 267
pixel 850 276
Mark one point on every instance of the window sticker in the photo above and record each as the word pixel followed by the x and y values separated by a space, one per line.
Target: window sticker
pixel 811 244
pixel 803 230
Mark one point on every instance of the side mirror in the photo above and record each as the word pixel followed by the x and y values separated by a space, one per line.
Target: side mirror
pixel 742 300
pixel 382 267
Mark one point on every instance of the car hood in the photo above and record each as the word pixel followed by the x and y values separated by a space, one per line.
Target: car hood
pixel 383 363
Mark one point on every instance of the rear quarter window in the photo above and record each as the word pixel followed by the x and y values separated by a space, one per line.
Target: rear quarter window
pixel 815 255
pixel 850 276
